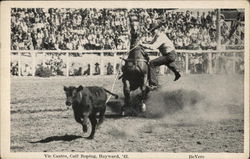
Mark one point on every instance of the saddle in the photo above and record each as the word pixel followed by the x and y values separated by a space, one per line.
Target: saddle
pixel 131 64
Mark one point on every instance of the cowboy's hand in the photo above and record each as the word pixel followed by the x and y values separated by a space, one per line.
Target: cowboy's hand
pixel 143 45
pixel 139 42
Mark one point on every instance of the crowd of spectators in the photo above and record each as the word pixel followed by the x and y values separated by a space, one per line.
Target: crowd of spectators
pixel 188 30
pixel 237 38
pixel 68 29
pixel 98 29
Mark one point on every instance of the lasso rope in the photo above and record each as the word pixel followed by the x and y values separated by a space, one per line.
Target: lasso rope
pixel 117 74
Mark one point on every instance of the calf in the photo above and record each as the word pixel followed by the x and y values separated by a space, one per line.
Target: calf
pixel 86 103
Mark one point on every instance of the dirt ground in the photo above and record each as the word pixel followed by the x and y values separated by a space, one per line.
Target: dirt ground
pixel 198 113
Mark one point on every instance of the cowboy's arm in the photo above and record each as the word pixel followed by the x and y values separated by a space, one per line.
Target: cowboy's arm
pixel 156 43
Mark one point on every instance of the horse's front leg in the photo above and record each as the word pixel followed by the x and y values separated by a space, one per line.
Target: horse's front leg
pixel 126 92
pixel 144 93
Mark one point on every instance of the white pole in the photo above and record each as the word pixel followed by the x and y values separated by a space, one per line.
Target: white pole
pixel 67 64
pixel 114 67
pixel 102 64
pixel 234 63
pixel 210 70
pixel 19 63
pixel 92 65
pixel 44 56
pixel 33 63
pixel 186 61
pixel 218 31
pixel 162 68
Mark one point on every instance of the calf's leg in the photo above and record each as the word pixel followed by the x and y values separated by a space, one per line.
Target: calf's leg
pixel 81 120
pixel 84 123
pixel 93 121
pixel 101 116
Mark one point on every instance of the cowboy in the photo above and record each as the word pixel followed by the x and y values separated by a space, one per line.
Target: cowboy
pixel 166 47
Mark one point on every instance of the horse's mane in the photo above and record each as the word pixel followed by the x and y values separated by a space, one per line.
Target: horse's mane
pixel 136 52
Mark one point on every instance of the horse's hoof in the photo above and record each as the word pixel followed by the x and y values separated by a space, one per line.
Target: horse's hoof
pixel 123 113
pixel 143 108
pixel 152 88
pixel 123 109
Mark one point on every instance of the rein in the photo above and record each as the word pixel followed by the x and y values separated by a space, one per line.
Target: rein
pixel 134 60
pixel 117 74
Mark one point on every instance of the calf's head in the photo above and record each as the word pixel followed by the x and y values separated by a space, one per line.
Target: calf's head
pixel 71 94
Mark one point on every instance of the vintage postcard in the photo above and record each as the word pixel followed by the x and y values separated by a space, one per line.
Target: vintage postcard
pixel 124 79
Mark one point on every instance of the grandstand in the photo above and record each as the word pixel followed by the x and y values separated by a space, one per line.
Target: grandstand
pixel 64 41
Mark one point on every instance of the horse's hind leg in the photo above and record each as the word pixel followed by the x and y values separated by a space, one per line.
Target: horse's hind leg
pixel 144 90
pixel 126 92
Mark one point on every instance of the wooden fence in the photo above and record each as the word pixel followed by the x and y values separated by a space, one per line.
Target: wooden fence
pixel 186 59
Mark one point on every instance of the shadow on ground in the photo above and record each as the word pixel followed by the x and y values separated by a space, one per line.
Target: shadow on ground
pixel 58 138
pixel 114 116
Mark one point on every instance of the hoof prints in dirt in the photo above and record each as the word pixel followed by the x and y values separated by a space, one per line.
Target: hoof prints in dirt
pixel 58 138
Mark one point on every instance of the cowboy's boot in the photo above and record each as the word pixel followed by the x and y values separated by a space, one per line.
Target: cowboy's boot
pixel 177 75
pixel 173 67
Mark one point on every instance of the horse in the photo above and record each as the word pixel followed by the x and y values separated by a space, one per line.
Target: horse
pixel 135 75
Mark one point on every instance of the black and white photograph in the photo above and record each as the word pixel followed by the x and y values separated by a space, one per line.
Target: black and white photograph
pixel 125 79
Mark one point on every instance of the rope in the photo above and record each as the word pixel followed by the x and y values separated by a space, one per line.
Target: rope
pixel 117 74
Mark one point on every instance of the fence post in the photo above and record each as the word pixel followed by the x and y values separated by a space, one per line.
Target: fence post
pixel 101 64
pixel 67 64
pixel 210 70
pixel 218 36
pixel 91 65
pixel 186 61
pixel 162 70
pixel 234 62
pixel 33 63
pixel 43 59
pixel 19 63
pixel 114 66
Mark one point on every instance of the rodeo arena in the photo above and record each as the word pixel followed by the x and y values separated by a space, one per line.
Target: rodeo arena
pixel 127 80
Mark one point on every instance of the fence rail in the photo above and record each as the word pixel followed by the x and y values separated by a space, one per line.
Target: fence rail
pixel 189 61
pixel 121 51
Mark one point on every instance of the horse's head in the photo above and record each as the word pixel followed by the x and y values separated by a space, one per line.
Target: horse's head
pixel 138 52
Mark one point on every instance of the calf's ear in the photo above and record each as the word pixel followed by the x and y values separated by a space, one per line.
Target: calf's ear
pixel 65 88
pixel 80 88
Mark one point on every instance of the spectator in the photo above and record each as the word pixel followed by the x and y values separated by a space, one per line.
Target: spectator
pixel 87 71
pixel 97 69
pixel 91 28
pixel 109 69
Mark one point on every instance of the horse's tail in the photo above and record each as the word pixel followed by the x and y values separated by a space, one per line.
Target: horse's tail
pixel 115 95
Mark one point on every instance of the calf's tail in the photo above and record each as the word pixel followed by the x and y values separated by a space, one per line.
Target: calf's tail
pixel 115 95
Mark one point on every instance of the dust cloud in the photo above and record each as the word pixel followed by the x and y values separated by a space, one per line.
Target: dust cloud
pixel 211 101
pixel 193 103
pixel 127 130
